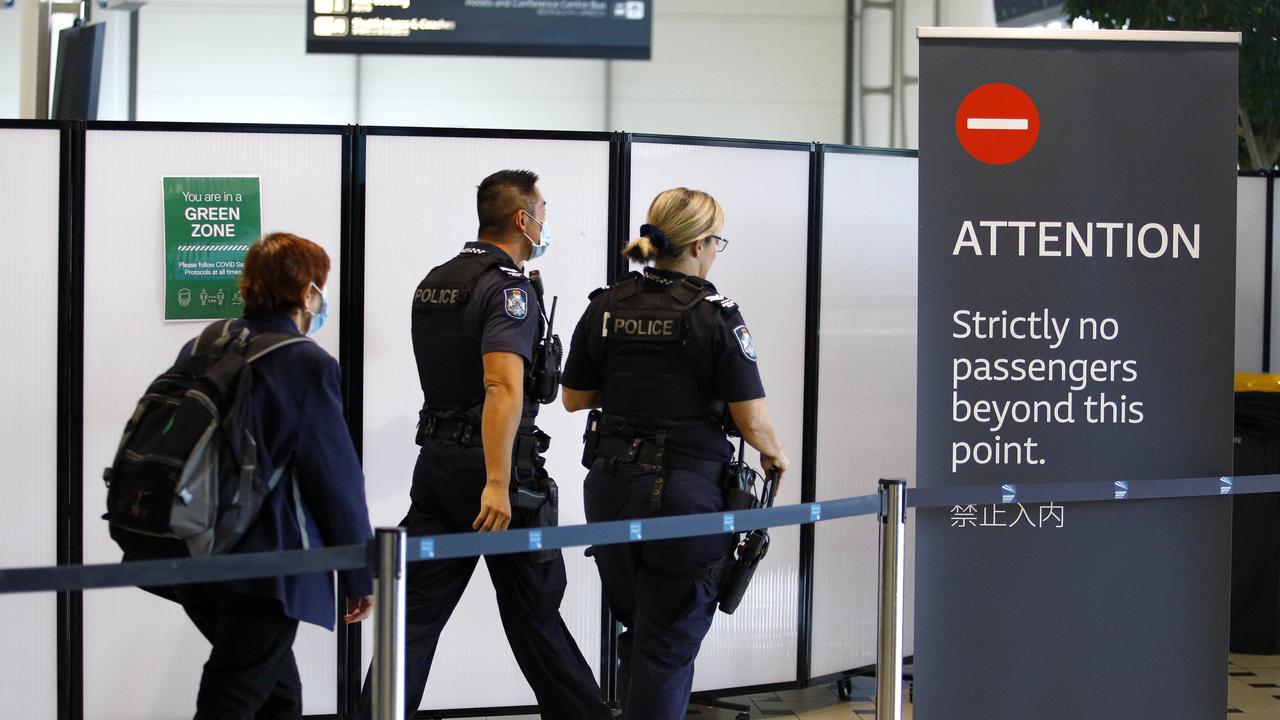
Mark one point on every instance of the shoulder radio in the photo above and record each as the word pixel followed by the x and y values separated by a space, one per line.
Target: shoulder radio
pixel 543 379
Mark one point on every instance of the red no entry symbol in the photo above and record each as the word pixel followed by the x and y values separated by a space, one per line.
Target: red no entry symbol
pixel 997 123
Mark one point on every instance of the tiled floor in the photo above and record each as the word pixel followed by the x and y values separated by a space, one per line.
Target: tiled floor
pixel 1254 690
pixel 1253 694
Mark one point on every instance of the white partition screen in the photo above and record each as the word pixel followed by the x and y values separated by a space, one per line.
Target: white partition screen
pixel 142 656
pixel 420 209
pixel 1251 260
pixel 29 192
pixel 765 195
pixel 866 390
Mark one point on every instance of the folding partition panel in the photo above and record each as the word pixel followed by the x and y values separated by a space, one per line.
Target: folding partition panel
pixel 142 656
pixel 420 208
pixel 764 189
pixel 866 390
pixel 29 204
pixel 1251 261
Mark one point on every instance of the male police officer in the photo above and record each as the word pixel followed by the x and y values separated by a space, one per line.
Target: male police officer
pixel 476 328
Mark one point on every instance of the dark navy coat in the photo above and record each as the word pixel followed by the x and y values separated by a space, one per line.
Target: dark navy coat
pixel 320 499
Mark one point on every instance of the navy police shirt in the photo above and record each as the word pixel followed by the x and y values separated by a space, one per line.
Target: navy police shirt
pixel 719 344
pixel 503 311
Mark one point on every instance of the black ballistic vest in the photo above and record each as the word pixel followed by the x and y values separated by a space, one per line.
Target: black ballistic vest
pixel 450 368
pixel 649 376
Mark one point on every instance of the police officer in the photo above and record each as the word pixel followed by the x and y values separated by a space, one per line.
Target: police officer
pixel 476 335
pixel 669 361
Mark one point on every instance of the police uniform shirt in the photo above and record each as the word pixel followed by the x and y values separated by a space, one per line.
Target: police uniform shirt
pixel 506 313
pixel 719 344
pixel 503 311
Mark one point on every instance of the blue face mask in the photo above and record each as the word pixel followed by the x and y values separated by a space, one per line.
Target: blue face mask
pixel 544 240
pixel 317 319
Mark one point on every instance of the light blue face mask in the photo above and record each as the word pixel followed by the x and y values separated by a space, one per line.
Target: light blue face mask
pixel 544 240
pixel 317 319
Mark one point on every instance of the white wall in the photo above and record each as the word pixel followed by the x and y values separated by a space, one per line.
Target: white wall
pixel 738 68
pixel 10 22
pixel 743 68
pixel 113 93
pixel 237 61
pixel 479 92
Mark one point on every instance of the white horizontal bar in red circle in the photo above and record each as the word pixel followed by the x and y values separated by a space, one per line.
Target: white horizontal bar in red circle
pixel 997 123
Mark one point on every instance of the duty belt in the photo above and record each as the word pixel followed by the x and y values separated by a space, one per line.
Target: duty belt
pixel 455 429
pixel 654 453
pixel 529 444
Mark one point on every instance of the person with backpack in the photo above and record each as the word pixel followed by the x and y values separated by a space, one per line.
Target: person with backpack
pixel 265 394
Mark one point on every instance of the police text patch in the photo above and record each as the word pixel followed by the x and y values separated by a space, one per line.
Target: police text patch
pixel 650 325
pixel 744 341
pixel 517 303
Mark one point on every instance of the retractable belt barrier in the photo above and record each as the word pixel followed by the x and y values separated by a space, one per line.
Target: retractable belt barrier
pixel 351 557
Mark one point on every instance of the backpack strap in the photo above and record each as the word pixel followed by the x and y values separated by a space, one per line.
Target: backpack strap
pixel 260 345
pixel 213 336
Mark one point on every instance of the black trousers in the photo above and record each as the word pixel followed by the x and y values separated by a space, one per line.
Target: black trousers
pixel 250 673
pixel 447 484
pixel 664 591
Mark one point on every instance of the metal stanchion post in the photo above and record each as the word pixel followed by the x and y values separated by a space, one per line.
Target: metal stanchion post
pixel 388 613
pixel 889 648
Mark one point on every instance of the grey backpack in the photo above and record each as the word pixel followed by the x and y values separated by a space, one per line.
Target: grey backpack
pixel 185 481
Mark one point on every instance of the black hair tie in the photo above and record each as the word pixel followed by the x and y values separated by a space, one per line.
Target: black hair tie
pixel 658 238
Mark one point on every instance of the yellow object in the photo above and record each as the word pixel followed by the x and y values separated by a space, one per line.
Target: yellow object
pixel 1257 382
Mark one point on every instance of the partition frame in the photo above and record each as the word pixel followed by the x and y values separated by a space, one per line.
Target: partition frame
pixel 1268 297
pixel 808 426
pixel 73 355
pixel 354 376
pixel 812 381
pixel 68 332
pixel 351 360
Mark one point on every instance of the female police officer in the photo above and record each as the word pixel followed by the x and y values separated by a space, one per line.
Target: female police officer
pixel 665 357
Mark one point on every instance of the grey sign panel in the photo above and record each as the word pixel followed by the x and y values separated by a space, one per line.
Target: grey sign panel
pixel 1077 259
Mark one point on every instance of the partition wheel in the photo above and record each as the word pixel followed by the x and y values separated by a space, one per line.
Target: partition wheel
pixel 844 689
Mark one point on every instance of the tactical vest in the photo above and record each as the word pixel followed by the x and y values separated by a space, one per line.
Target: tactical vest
pixel 649 377
pixel 450 367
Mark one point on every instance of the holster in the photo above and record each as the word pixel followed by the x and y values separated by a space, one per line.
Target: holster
pixel 535 497
pixel 747 556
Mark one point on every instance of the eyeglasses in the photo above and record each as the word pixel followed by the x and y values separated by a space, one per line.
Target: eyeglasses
pixel 721 243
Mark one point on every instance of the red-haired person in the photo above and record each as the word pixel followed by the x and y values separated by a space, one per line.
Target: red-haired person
pixel 318 500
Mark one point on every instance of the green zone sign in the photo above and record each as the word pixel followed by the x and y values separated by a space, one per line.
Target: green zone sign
pixel 209 224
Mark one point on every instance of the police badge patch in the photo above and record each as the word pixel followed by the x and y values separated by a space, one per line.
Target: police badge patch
pixel 744 341
pixel 517 304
